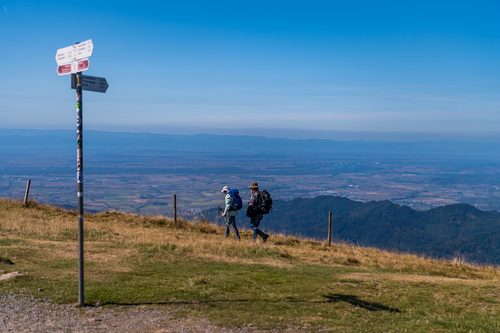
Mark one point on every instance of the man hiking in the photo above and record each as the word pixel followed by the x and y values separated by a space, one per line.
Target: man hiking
pixel 255 215
pixel 231 211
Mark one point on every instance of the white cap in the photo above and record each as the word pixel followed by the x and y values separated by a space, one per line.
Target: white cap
pixel 225 189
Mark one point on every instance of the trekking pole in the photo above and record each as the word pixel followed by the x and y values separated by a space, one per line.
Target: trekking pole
pixel 227 223
pixel 221 212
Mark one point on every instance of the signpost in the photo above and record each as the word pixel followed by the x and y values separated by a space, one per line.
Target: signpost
pixel 91 83
pixel 73 60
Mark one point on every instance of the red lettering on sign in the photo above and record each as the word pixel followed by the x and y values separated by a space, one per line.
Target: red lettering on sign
pixel 64 69
pixel 83 65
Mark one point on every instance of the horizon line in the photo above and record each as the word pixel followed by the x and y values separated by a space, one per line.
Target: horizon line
pixel 300 134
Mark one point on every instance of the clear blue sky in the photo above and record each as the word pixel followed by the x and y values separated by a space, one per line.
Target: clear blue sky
pixel 336 69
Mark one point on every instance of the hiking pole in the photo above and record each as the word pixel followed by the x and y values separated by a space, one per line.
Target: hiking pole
pixel 221 212
pixel 227 223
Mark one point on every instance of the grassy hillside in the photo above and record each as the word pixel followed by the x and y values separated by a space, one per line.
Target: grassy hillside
pixel 286 283
pixel 447 232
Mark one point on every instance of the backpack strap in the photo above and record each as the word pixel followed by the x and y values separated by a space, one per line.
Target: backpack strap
pixel 260 199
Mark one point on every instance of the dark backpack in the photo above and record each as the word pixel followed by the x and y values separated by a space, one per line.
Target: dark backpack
pixel 236 202
pixel 266 203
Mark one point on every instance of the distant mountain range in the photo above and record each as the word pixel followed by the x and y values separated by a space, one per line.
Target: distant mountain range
pixel 454 231
pixel 98 141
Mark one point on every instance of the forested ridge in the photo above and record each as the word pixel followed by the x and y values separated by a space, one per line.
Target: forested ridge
pixel 453 231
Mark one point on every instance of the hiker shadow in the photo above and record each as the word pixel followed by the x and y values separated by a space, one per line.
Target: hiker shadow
pixel 354 300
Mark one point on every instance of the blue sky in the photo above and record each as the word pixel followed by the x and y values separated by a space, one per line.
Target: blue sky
pixel 399 70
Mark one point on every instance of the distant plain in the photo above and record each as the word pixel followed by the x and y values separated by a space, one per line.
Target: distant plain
pixel 140 173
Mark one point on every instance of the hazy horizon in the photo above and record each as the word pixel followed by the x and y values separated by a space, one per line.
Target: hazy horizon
pixel 335 70
pixel 297 134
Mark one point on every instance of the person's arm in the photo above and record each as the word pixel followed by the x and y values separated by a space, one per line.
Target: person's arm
pixel 228 204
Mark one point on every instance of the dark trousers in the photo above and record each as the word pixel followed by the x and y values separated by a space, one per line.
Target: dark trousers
pixel 254 225
pixel 231 220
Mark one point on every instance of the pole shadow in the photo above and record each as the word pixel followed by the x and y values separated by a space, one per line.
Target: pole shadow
pixel 330 298
pixel 354 300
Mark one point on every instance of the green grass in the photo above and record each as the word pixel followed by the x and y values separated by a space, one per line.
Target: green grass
pixel 270 286
pixel 234 294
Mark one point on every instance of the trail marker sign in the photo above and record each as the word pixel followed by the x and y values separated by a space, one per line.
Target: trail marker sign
pixel 74 52
pixel 91 83
pixel 73 67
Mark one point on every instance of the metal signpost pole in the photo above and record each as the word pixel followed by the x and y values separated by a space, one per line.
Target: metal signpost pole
pixel 73 60
pixel 79 179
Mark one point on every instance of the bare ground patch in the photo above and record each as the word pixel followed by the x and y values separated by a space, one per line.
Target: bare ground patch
pixel 412 278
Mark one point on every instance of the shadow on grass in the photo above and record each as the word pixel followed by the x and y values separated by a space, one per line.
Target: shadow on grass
pixel 331 298
pixel 354 300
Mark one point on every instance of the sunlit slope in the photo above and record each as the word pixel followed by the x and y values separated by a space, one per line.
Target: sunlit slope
pixel 286 283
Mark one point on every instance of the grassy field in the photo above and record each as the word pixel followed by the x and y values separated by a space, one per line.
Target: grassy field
pixel 286 283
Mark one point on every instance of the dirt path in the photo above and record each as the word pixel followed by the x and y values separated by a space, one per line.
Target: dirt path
pixel 24 314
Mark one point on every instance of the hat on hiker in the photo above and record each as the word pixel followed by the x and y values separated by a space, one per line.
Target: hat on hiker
pixel 254 185
pixel 225 189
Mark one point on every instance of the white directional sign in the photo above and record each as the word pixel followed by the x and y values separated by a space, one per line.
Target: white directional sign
pixel 73 67
pixel 91 83
pixel 74 52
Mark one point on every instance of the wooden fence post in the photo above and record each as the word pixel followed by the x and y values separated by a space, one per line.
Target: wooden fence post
pixel 27 193
pixel 175 210
pixel 329 228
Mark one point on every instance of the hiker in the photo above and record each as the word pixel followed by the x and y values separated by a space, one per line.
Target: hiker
pixel 255 217
pixel 230 213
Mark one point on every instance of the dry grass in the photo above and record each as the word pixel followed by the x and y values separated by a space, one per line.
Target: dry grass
pixel 58 227
pixel 403 278
pixel 286 282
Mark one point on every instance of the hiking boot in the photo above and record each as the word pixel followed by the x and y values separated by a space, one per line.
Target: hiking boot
pixel 264 239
